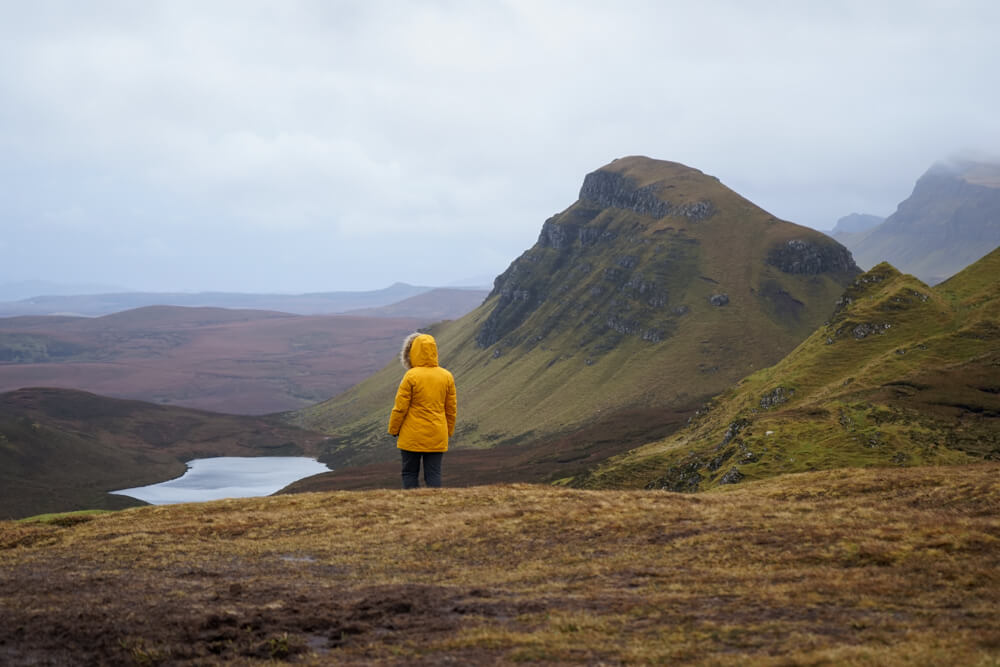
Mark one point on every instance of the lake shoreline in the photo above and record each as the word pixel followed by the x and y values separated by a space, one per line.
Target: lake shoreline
pixel 227 477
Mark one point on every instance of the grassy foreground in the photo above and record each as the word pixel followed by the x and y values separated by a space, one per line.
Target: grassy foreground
pixel 874 566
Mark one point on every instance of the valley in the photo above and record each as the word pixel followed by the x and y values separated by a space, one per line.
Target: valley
pixel 663 332
pixel 689 433
pixel 494 333
pixel 64 450
pixel 658 288
pixel 233 361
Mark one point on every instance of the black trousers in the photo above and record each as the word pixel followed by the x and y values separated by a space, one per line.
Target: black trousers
pixel 411 468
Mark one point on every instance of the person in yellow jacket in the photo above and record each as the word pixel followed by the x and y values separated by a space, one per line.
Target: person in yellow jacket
pixel 423 414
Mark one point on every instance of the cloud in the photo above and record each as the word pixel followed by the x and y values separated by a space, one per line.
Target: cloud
pixel 262 140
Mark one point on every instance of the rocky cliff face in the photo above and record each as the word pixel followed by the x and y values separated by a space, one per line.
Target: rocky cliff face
pixel 621 261
pixel 609 189
pixel 808 258
pixel 951 219
pixel 595 275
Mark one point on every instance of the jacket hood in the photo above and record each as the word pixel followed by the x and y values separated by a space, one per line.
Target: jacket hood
pixel 419 350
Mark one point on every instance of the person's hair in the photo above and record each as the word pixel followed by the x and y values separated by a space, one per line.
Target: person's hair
pixel 404 353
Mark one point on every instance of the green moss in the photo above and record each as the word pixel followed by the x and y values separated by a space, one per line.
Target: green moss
pixel 64 518
pixel 921 390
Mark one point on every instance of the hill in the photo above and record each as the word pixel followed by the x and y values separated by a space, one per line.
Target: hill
pixel 25 289
pixel 852 228
pixel 853 567
pixel 62 450
pixel 316 303
pixel 901 374
pixel 856 223
pixel 656 289
pixel 237 361
pixel 951 219
pixel 442 303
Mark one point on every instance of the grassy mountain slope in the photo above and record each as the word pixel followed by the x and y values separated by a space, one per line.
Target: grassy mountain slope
pixel 951 219
pixel 658 288
pixel 62 450
pixel 851 567
pixel 902 374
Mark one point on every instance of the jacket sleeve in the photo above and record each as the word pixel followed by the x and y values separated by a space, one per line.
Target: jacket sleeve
pixel 451 405
pixel 400 407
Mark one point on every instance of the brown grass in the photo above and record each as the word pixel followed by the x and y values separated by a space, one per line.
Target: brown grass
pixel 842 567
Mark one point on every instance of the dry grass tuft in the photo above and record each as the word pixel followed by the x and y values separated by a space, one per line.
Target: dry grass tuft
pixel 856 567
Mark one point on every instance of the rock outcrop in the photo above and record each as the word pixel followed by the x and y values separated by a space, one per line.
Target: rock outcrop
pixel 810 258
pixel 611 189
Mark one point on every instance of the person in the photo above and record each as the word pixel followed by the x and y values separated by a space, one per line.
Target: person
pixel 423 414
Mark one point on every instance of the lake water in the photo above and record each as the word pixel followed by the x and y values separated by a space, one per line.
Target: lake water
pixel 228 477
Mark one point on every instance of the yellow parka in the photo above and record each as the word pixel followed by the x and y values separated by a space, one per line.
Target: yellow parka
pixel 423 415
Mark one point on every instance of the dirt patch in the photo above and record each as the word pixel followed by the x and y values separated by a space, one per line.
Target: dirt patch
pixel 246 612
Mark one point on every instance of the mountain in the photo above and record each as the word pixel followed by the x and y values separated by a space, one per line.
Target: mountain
pixel 25 289
pixel 62 450
pixel 442 303
pixel 318 303
pixel 951 219
pixel 656 289
pixel 856 223
pixel 901 374
pixel 239 361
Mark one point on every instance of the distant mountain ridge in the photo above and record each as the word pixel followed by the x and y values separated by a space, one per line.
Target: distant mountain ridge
pixel 25 289
pixel 951 219
pixel 657 288
pixel 440 303
pixel 856 223
pixel 317 303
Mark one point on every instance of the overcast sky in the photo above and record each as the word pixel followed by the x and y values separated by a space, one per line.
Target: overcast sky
pixel 292 146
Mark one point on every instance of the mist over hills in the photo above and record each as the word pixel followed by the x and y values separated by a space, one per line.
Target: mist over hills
pixel 656 289
pixel 25 289
pixel 951 219
pixel 317 303
pixel 855 223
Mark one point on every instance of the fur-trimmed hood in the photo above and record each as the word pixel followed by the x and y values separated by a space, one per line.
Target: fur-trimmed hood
pixel 419 349
pixel 426 406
